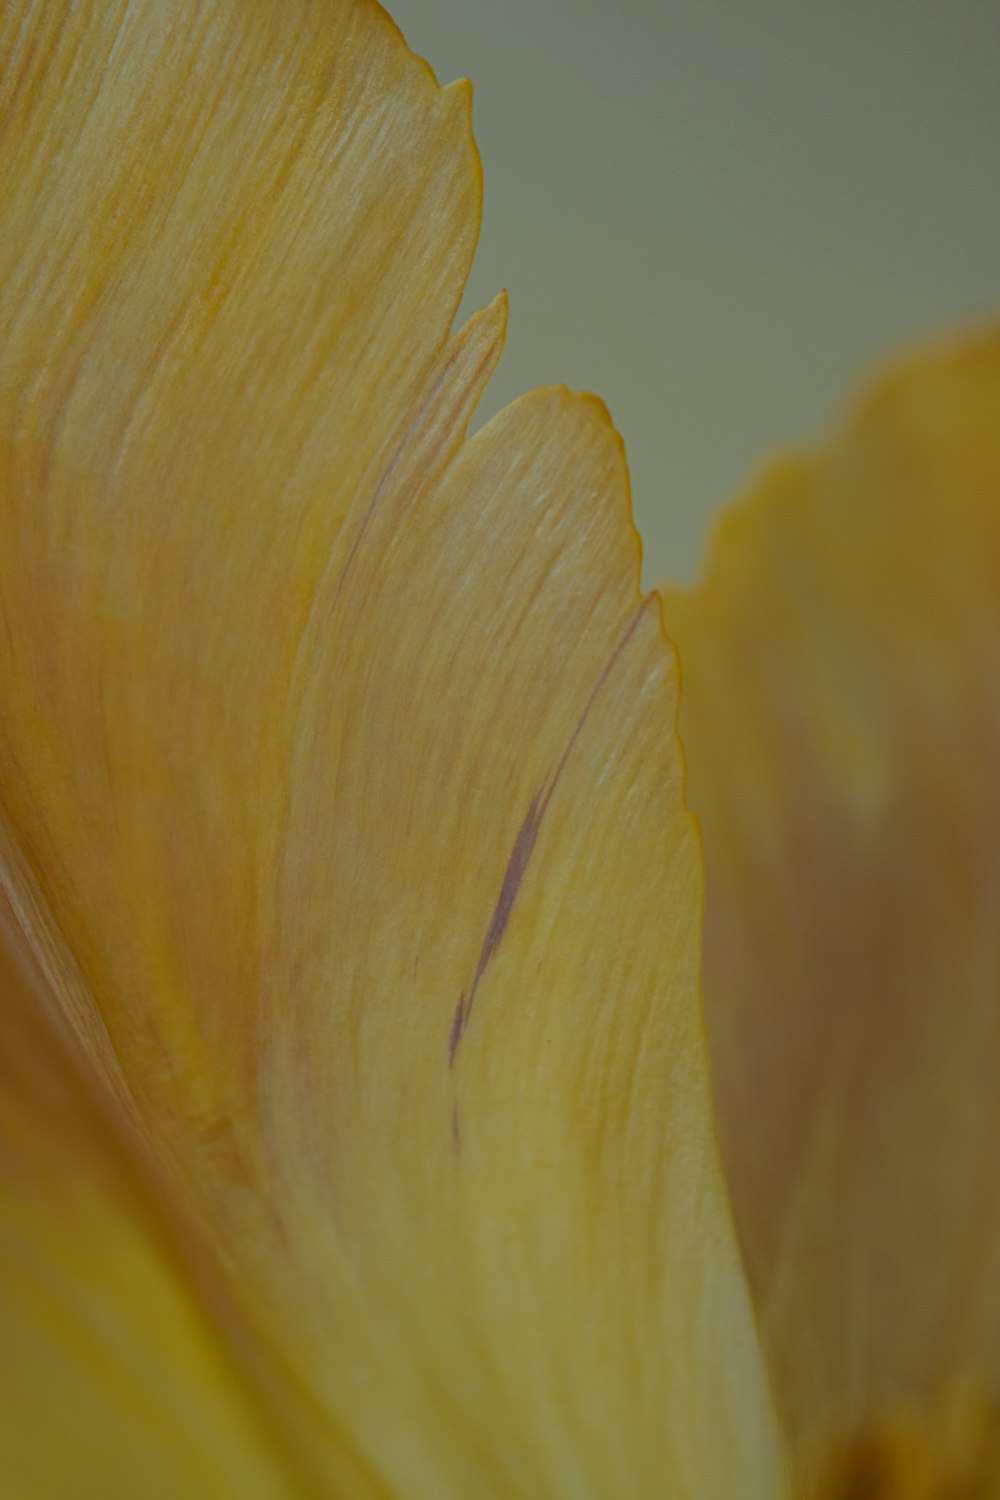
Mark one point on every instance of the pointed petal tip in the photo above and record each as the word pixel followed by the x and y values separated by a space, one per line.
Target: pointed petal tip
pixel 479 649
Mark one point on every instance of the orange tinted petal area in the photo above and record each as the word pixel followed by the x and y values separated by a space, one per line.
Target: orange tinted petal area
pixel 950 1452
pixel 339 797
pixel 841 714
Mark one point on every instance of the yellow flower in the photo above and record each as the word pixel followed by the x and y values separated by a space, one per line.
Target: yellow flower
pixel 356 1136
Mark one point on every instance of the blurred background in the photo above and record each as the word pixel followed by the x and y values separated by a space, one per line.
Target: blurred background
pixel 722 216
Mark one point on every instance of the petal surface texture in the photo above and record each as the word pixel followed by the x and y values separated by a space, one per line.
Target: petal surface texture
pixel 841 716
pixel 340 802
pixel 114 1382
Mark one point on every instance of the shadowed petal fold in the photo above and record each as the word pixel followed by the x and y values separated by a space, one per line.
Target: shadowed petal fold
pixel 339 797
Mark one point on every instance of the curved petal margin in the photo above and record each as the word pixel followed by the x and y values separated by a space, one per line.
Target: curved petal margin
pixel 841 715
pixel 339 797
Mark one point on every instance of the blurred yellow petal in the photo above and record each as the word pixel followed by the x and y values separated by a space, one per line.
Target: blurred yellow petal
pixel 841 719
pixel 339 795
pixel 113 1382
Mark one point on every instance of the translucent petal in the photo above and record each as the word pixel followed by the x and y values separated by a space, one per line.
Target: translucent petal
pixel 339 797
pixel 841 716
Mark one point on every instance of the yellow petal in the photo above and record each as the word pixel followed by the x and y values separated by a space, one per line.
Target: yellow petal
pixel 339 796
pixel 113 1381
pixel 840 720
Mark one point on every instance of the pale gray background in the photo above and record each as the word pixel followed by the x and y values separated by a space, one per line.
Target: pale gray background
pixel 719 216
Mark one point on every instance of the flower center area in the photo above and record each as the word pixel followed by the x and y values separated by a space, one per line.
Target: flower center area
pixel 949 1454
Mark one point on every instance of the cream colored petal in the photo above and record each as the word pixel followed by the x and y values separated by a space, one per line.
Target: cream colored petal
pixel 338 788
pixel 112 1382
pixel 841 717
